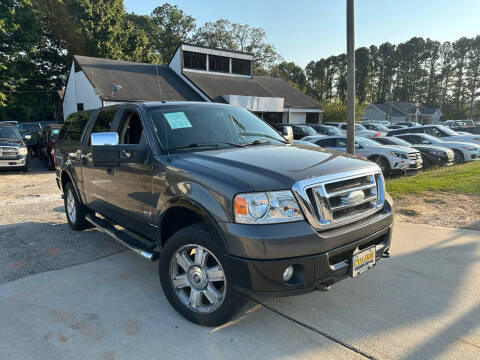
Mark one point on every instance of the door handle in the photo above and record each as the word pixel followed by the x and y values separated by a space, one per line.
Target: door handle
pixel 110 171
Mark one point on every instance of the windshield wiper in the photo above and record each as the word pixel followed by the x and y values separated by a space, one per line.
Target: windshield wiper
pixel 256 142
pixel 205 144
pixel 263 135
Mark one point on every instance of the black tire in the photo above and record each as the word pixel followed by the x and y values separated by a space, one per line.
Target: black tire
pixel 383 164
pixel 50 162
pixel 76 221
pixel 458 157
pixel 232 300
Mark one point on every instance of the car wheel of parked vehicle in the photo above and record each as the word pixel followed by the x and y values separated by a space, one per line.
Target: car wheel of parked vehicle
pixel 383 164
pixel 196 278
pixel 74 209
pixel 51 163
pixel 458 157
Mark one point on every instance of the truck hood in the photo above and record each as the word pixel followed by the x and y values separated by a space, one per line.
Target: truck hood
pixel 273 167
pixel 10 142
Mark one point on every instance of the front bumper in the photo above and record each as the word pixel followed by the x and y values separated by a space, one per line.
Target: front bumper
pixel 18 161
pixel 258 254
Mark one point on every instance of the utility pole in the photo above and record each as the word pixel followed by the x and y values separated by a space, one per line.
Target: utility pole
pixel 350 77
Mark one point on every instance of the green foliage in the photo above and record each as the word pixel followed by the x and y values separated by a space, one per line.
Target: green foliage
pixel 337 111
pixel 462 179
pixel 224 34
pixel 292 73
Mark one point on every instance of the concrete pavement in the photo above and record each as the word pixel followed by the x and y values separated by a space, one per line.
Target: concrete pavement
pixel 423 303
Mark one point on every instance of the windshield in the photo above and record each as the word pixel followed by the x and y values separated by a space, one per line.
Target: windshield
pixel 9 132
pixel 29 127
pixel 366 142
pixel 432 139
pixel 209 126
pixel 398 141
pixel 306 130
pixel 360 127
pixel 382 128
pixel 447 130
pixel 333 130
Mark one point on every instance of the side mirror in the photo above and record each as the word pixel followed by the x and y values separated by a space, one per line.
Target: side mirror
pixel 104 138
pixel 288 134
pixel 106 152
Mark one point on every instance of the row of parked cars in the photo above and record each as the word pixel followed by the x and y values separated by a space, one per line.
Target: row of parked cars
pixel 21 141
pixel 395 148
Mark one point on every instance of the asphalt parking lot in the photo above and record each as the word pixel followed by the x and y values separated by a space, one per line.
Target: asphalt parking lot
pixel 74 295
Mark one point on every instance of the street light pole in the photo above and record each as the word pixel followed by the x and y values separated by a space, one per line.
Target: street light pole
pixel 350 77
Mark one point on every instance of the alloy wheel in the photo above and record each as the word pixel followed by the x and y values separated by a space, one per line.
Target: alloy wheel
pixel 70 204
pixel 197 278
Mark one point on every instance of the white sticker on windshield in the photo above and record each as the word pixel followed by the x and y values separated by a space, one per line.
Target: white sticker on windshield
pixel 177 120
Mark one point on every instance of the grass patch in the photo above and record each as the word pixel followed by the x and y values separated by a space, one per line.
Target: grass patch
pixel 459 179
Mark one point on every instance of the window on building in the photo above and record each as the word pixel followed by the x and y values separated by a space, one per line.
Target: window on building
pixel 241 67
pixel 79 106
pixel 195 61
pixel 218 63
pixel 313 118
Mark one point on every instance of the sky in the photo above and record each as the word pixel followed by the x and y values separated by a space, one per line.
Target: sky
pixel 306 30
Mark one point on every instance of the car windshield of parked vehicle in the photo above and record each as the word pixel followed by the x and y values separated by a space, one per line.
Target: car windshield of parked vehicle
pixel 381 127
pixel 360 127
pixel 333 131
pixel 306 130
pixel 210 126
pixel 29 127
pixel 400 142
pixel 447 131
pixel 366 142
pixel 431 139
pixel 9 132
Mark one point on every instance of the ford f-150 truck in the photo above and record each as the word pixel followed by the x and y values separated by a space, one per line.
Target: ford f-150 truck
pixel 229 207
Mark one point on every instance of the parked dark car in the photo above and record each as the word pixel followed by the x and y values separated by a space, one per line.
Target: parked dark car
pixel 13 150
pixel 325 129
pixel 299 131
pixel 227 205
pixel 431 155
pixel 394 127
pixel 46 144
pixel 439 131
pixel 30 133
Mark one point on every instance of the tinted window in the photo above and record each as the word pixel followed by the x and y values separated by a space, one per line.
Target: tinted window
pixel 76 123
pixel 103 122
pixel 131 130
pixel 9 132
pixel 325 142
pixel 340 142
pixel 29 127
pixel 194 60
pixel 218 63
pixel 240 66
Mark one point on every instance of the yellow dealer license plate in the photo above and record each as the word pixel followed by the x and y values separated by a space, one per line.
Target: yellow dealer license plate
pixel 363 260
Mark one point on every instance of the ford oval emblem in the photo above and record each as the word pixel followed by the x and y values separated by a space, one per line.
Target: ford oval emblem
pixel 354 198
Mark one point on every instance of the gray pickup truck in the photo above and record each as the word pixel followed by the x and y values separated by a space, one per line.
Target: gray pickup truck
pixel 229 207
pixel 13 150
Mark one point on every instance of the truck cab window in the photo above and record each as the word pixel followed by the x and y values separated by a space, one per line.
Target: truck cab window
pixel 131 130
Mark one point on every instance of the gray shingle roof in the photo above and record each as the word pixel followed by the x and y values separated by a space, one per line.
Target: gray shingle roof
pixel 138 81
pixel 402 108
pixel 386 108
pixel 215 86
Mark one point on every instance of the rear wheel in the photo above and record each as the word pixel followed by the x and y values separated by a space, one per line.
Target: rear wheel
pixel 458 157
pixel 50 162
pixel 74 209
pixel 196 278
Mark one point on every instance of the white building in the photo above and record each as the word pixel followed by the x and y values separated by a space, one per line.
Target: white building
pixel 194 73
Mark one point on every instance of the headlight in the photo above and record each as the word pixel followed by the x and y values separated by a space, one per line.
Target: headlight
pixel 266 208
pixel 469 148
pixel 27 137
pixel 436 152
pixel 22 150
pixel 399 154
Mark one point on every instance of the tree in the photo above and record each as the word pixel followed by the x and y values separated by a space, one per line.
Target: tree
pixel 473 72
pixel 170 26
pixel 292 73
pixel 461 48
pixel 362 73
pixel 226 35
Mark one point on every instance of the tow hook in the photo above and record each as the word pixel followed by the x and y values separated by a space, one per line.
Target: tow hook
pixel 386 255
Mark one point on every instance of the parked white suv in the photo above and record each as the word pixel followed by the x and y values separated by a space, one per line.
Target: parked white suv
pixel 390 158
pixel 463 151
pixel 360 130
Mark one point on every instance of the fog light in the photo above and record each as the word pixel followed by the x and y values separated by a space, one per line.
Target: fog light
pixel 288 273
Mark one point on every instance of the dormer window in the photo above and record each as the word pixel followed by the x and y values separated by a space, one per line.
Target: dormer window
pixel 241 67
pixel 192 60
pixel 218 64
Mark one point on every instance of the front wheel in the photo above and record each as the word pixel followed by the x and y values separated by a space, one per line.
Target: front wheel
pixel 458 157
pixel 74 209
pixel 196 277
pixel 383 164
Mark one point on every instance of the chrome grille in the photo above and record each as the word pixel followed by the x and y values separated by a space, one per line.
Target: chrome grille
pixel 340 199
pixel 8 152
pixel 414 156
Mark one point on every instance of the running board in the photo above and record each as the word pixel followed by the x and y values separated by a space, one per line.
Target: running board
pixel 123 238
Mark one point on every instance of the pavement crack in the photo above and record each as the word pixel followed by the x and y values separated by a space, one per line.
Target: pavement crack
pixel 319 332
